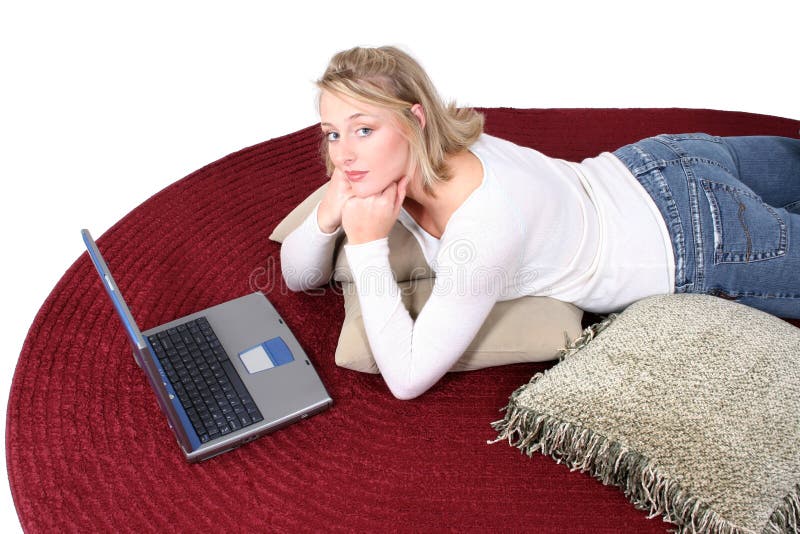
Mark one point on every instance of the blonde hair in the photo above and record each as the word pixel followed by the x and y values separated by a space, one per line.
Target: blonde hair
pixel 390 78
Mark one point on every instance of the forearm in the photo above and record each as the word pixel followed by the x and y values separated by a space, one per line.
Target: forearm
pixel 411 355
pixel 307 255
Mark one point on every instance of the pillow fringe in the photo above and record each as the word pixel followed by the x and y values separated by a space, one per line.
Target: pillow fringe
pixel 588 334
pixel 786 518
pixel 612 463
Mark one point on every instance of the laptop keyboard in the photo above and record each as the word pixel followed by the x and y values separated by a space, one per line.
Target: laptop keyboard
pixel 208 386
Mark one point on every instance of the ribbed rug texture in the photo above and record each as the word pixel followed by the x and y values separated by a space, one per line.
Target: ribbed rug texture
pixel 88 449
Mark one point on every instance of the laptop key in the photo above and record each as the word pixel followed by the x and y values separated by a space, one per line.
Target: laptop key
pixel 235 380
pixel 221 355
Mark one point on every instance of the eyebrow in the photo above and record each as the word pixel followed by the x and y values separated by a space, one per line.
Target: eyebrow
pixel 349 119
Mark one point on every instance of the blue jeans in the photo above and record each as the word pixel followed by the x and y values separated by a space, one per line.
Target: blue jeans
pixel 732 209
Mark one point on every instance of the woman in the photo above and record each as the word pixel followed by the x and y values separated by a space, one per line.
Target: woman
pixel 496 221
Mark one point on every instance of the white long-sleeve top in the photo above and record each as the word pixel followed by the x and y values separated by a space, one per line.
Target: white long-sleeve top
pixel 586 233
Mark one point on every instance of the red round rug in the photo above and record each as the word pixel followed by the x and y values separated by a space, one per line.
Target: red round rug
pixel 88 449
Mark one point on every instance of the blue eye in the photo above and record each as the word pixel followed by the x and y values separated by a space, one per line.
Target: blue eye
pixel 332 136
pixel 363 132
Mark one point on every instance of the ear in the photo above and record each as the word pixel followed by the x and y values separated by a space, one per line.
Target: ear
pixel 419 112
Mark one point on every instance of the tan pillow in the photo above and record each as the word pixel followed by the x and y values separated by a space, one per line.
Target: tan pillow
pixel 298 215
pixel 527 329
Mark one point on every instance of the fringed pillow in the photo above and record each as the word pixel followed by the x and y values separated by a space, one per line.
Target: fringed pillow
pixel 689 403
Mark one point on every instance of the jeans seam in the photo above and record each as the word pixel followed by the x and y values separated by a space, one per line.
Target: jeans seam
pixel 674 145
pixel 686 160
pixel 674 225
pixel 745 294
pixel 694 213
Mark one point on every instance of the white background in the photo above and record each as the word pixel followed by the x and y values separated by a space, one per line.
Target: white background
pixel 102 105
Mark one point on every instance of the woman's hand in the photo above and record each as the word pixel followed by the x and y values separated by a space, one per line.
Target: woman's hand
pixel 371 218
pixel 329 213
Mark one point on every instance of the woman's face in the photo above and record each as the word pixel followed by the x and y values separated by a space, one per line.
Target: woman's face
pixel 364 142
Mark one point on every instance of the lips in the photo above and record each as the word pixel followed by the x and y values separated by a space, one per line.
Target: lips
pixel 355 176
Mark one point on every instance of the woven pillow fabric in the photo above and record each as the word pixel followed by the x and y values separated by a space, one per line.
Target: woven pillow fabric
pixel 689 403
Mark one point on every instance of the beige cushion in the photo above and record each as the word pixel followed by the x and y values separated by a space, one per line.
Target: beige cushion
pixel 689 403
pixel 298 215
pixel 527 329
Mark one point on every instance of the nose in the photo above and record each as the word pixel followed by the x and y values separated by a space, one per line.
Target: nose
pixel 342 152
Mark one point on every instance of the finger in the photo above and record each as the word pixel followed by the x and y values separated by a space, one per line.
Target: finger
pixel 390 191
pixel 403 188
pixel 401 195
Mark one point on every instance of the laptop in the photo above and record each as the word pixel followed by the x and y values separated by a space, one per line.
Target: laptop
pixel 223 376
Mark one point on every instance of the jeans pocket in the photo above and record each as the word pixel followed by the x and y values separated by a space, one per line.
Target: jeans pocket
pixel 745 228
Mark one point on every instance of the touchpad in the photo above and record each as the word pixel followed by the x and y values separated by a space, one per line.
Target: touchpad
pixel 267 355
pixel 256 359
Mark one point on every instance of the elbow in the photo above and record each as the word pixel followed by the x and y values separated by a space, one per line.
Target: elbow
pixel 298 283
pixel 404 395
pixel 407 391
pixel 292 284
pixel 292 275
pixel 291 281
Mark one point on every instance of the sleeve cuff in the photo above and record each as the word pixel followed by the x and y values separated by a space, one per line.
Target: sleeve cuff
pixel 369 263
pixel 313 225
pixel 372 253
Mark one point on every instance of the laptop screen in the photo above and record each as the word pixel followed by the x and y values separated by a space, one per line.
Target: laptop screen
pixel 137 340
pixel 142 350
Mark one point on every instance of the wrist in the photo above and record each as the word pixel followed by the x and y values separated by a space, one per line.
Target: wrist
pixel 324 225
pixel 359 238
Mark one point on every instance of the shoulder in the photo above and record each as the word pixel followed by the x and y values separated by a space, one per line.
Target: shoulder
pixel 489 144
pixel 506 157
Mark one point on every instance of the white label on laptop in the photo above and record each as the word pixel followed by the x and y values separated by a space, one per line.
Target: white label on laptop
pixel 256 359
